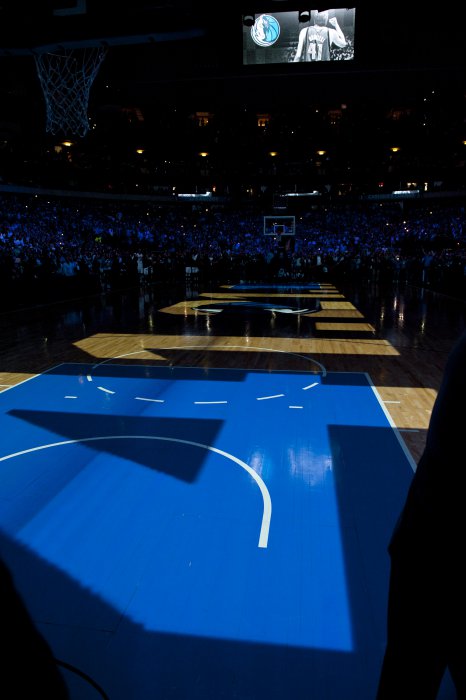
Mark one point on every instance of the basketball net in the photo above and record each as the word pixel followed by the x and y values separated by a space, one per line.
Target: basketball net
pixel 66 77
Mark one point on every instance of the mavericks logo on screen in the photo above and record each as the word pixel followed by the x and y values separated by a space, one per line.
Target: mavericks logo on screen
pixel 265 30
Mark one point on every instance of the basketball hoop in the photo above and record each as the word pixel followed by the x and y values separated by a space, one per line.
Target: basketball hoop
pixel 66 76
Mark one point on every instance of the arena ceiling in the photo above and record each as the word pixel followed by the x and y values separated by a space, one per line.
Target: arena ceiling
pixel 184 50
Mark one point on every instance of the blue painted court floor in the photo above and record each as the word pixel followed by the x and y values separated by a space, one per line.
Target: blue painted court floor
pixel 201 534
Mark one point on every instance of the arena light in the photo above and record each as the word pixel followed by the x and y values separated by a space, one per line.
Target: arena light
pixel 195 195
pixel 314 193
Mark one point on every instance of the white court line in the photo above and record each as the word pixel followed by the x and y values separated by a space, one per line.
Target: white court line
pixel 267 502
pixel 209 402
pixel 295 406
pixel 305 388
pixel 8 387
pixel 265 398
pixel 393 425
pixel 106 391
pixel 143 398
pixel 71 397
pixel 208 346
pixel 219 347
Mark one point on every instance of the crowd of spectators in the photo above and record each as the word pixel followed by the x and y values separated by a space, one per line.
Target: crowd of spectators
pixel 59 248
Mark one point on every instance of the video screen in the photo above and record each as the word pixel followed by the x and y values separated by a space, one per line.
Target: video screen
pixel 301 36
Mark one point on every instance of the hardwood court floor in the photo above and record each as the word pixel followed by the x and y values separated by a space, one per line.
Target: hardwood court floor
pixel 400 335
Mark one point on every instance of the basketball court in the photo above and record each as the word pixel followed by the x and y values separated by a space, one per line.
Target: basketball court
pixel 196 532
pixel 193 532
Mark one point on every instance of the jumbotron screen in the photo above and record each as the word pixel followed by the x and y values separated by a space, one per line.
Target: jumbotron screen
pixel 301 36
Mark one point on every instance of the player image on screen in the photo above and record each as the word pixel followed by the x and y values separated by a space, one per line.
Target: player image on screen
pixel 283 37
pixel 316 40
